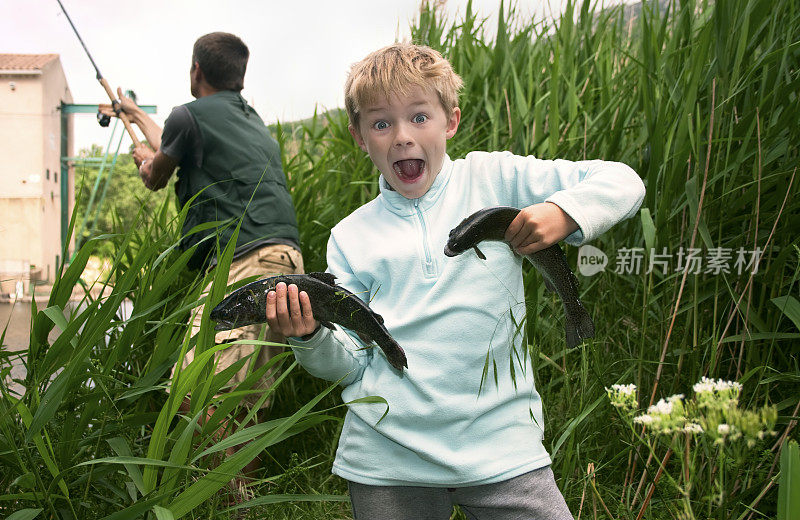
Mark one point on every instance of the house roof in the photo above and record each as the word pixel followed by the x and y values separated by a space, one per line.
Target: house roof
pixel 25 62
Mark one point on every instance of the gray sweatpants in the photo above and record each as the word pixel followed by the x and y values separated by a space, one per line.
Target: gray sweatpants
pixel 530 496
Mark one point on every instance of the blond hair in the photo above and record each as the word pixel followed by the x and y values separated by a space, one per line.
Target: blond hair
pixel 395 70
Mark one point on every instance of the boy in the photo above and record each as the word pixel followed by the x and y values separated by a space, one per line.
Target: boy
pixel 444 440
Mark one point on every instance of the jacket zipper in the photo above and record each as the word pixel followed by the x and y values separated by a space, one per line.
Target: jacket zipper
pixel 428 268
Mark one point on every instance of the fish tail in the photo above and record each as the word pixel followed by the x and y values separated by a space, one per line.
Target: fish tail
pixel 579 326
pixel 394 354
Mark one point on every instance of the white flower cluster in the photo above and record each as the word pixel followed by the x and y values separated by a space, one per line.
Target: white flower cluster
pixel 729 432
pixel 707 384
pixel 713 411
pixel 717 393
pixel 663 407
pixel 668 416
pixel 624 389
pixel 623 396
pixel 693 427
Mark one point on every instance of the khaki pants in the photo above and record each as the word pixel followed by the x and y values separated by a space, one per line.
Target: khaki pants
pixel 271 260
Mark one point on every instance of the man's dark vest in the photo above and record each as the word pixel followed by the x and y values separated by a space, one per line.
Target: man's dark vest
pixel 240 178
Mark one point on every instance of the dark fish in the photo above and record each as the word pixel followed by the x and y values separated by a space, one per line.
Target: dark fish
pixel 491 224
pixel 329 302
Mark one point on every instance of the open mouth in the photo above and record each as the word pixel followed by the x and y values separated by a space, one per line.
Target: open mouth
pixel 409 170
pixel 224 325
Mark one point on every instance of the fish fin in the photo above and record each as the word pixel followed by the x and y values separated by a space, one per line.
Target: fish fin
pixel 579 327
pixel 573 337
pixel 327 278
pixel 549 285
pixel 328 325
pixel 479 253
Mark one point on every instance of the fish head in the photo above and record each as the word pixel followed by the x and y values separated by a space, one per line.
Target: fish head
pixel 460 239
pixel 485 224
pixel 451 249
pixel 238 309
pixel 224 325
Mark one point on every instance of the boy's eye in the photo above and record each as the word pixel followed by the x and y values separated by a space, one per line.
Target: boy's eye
pixel 420 118
pixel 380 125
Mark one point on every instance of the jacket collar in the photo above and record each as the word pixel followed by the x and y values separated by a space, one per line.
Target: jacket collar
pixel 402 206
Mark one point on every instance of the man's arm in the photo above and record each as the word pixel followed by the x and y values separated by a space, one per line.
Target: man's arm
pixel 155 169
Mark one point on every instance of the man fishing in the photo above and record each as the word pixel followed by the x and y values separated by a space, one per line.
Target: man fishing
pixel 229 168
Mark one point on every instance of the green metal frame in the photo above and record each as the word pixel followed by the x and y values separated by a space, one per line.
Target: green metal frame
pixel 90 205
pixel 66 110
pixel 72 108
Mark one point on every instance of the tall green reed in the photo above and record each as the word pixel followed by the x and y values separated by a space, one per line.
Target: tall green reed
pixel 97 432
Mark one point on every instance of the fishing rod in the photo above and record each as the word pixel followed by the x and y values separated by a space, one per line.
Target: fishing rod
pixel 114 101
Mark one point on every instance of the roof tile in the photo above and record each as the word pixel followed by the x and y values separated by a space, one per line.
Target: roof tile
pixel 25 61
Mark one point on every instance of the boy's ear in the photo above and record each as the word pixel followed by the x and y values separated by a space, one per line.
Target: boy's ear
pixel 357 136
pixel 452 123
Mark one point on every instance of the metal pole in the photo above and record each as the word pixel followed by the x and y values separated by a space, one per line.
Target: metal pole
pixel 90 204
pixel 64 184
pixel 105 187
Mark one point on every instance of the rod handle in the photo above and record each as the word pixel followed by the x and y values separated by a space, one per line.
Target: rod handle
pixel 122 115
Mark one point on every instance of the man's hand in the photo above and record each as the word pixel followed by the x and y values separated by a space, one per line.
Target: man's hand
pixel 537 227
pixel 155 168
pixel 143 157
pixel 289 313
pixel 141 154
pixel 126 104
pixel 137 116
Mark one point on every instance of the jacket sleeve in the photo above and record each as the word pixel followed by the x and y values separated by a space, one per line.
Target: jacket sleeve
pixel 596 194
pixel 335 355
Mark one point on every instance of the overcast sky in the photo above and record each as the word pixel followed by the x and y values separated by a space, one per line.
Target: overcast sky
pixel 300 50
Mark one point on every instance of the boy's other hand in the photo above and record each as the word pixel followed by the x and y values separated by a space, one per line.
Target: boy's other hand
pixel 537 227
pixel 289 311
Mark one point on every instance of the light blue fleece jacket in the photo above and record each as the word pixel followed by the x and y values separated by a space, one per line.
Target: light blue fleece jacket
pixel 450 315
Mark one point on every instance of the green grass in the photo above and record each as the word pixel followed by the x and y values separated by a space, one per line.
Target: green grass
pixel 700 99
pixel 95 435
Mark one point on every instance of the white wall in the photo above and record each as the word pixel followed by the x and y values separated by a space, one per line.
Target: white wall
pixel 30 173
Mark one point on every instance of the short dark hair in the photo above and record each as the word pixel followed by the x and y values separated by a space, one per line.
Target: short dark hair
pixel 223 59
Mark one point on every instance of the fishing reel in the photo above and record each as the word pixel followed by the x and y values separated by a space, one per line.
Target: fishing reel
pixel 104 119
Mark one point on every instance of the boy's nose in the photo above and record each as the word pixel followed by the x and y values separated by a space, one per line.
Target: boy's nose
pixel 402 137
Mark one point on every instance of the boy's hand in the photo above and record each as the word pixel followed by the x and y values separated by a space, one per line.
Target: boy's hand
pixel 289 313
pixel 537 227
